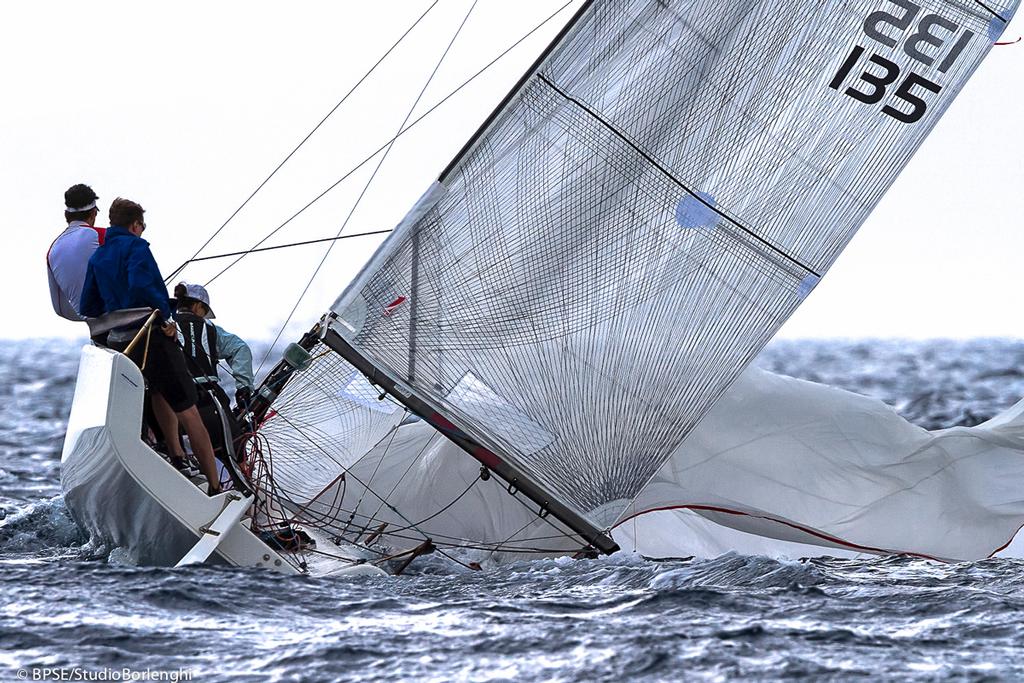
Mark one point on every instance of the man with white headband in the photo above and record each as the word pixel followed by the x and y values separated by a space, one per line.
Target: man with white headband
pixel 68 257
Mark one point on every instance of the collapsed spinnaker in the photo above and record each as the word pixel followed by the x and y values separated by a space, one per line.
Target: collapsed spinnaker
pixel 647 207
pixel 800 462
pixel 779 466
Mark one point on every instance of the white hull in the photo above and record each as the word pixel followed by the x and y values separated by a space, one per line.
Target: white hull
pixel 125 494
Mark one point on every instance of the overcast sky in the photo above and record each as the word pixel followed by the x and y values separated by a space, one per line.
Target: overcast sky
pixel 187 106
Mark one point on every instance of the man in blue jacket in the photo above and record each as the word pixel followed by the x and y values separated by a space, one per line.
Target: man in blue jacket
pixel 123 274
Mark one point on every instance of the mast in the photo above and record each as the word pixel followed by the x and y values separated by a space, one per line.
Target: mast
pixel 503 105
pixel 518 480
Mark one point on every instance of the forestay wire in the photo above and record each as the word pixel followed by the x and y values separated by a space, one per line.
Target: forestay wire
pixel 366 187
pixel 383 146
pixel 303 243
pixel 301 143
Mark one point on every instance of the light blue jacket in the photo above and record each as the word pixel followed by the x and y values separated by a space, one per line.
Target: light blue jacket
pixel 236 352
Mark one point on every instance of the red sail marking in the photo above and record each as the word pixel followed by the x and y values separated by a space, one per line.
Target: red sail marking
pixel 390 308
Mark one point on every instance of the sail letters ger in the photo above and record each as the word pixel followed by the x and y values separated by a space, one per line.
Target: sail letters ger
pixel 644 213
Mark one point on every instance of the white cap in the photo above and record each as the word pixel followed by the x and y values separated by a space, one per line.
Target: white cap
pixel 198 292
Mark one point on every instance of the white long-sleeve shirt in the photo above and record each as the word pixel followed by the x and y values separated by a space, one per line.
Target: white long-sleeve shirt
pixel 66 263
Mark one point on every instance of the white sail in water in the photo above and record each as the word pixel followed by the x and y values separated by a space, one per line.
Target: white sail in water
pixel 779 466
pixel 634 223
pixel 791 460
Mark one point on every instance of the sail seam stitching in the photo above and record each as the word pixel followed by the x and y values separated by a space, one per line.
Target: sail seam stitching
pixel 996 14
pixel 668 174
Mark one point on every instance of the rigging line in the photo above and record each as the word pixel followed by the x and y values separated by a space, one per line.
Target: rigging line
pixel 369 182
pixel 349 472
pixel 455 541
pixel 316 551
pixel 994 13
pixel 330 523
pixel 443 509
pixel 439 538
pixel 376 468
pixel 513 535
pixel 668 174
pixel 408 469
pixel 517 88
pixel 490 548
pixel 407 129
pixel 468 545
pixel 285 246
pixel 296 513
pixel 304 140
pixel 411 525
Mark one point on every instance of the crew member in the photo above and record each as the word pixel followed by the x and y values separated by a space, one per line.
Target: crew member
pixel 123 274
pixel 68 256
pixel 207 343
pixel 204 344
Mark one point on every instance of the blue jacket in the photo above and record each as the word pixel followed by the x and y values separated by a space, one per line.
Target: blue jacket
pixel 123 274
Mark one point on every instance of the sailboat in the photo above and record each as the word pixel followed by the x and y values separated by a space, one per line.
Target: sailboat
pixel 534 355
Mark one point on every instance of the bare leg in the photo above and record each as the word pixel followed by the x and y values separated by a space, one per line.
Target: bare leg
pixel 201 446
pixel 168 422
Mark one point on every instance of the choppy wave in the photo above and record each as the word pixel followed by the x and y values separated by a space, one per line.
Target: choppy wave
pixel 553 619
pixel 67 603
pixel 40 528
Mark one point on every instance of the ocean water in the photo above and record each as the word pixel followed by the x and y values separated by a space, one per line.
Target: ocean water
pixel 71 609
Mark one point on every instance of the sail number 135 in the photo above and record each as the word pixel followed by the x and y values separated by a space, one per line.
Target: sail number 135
pixel 931 40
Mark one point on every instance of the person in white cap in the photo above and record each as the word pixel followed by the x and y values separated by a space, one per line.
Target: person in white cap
pixel 68 256
pixel 205 343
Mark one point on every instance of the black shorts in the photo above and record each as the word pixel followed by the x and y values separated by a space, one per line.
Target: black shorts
pixel 165 369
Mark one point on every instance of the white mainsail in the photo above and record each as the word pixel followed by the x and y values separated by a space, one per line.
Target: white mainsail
pixel 604 258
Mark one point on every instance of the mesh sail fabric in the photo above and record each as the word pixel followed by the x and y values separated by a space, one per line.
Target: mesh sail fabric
pixel 326 418
pixel 434 491
pixel 785 459
pixel 643 215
